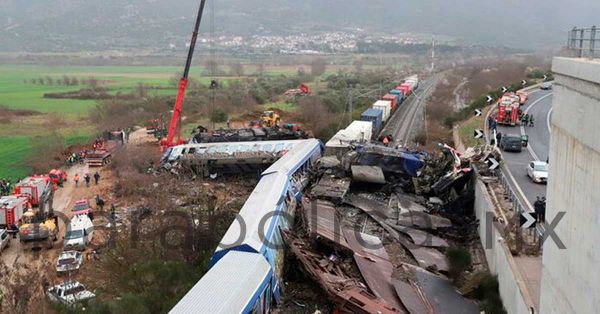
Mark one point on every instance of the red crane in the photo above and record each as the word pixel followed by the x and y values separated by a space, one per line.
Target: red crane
pixel 175 125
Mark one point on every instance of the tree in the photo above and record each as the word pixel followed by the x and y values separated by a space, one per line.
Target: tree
pixel 66 80
pixel 49 80
pixel 318 67
pixel 236 69
pixel 218 115
pixel 74 81
pixel 41 81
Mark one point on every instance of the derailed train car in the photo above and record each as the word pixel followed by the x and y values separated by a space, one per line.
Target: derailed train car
pixel 248 264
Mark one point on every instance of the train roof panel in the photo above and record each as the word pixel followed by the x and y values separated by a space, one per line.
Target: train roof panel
pixel 262 201
pixel 227 287
pixel 293 159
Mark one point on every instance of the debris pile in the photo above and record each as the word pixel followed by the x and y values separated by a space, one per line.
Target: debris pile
pixel 374 228
pixel 255 134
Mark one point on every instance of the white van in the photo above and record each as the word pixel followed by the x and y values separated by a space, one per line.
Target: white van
pixel 79 233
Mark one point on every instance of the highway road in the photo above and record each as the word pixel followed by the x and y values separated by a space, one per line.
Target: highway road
pixel 540 106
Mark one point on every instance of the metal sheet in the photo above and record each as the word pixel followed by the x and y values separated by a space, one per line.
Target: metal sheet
pixel 443 295
pixel 423 221
pixel 365 244
pixel 377 273
pixel 346 292
pixel 412 298
pixel 322 221
pixel 407 204
pixel 422 238
pixel 370 206
pixel 428 258
pixel 330 187
pixel 369 174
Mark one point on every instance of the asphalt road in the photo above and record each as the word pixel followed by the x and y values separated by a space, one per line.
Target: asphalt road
pixel 540 106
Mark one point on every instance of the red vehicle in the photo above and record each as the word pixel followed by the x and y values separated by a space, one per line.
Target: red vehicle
pixel 393 99
pixel 82 207
pixel 33 187
pixel 523 97
pixel 57 177
pixel 12 208
pixel 509 111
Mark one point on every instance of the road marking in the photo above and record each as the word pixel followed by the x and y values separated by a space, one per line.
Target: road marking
pixel 529 148
pixel 548 120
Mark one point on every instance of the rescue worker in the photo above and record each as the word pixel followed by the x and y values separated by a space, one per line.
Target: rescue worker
pixel 99 203
pixel 76 179
pixel 87 179
pixel 525 120
pixel 531 120
pixel 96 177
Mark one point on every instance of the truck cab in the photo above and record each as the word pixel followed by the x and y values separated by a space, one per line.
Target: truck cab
pixel 79 233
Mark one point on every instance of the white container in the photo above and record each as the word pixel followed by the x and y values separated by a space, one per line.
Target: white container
pixel 385 106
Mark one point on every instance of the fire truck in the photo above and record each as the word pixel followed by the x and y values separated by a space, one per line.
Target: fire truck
pixel 509 111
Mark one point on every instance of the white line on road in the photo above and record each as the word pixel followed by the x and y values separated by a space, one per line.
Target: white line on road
pixel 548 120
pixel 533 154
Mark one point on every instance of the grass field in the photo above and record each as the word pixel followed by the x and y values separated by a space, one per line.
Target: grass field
pixel 18 92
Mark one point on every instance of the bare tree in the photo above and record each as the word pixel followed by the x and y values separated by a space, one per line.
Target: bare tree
pixel 74 81
pixel 41 81
pixel 211 67
pixel 66 80
pixel 315 114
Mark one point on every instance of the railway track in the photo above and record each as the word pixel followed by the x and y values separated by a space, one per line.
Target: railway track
pixel 401 124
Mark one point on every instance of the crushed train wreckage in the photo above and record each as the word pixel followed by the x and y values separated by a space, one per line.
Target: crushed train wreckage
pixel 210 159
pixel 413 208
pixel 254 134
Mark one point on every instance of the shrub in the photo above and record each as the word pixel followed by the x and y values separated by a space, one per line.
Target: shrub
pixel 459 260
pixel 218 116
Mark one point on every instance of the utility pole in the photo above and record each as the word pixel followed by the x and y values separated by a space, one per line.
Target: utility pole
pixel 432 54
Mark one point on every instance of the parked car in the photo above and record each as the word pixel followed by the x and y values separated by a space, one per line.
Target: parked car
pixel 4 239
pixel 546 86
pixel 511 143
pixel 69 293
pixel 79 233
pixel 538 171
pixel 69 261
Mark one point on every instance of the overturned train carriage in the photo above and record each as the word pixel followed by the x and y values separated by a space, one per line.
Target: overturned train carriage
pixel 256 232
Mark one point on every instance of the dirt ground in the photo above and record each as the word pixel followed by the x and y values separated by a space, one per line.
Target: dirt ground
pixel 16 262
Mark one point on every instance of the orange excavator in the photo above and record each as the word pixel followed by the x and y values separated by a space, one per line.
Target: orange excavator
pixel 175 125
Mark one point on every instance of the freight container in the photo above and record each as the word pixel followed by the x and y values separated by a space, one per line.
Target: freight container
pixel 393 99
pixel 12 208
pixel 374 116
pixel 406 89
pixel 385 106
pixel 356 132
pixel 414 80
pixel 398 93
pixel 33 187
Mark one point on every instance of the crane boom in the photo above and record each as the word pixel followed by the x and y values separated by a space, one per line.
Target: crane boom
pixel 175 126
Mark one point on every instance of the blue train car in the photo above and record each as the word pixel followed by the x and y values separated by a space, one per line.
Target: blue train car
pixel 239 283
pixel 269 209
pixel 374 116
pixel 398 93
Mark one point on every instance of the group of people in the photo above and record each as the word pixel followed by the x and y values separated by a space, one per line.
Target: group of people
pixel 87 178
pixel 75 158
pixel 527 119
pixel 5 187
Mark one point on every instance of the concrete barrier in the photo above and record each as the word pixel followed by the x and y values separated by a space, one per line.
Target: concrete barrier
pixel 513 291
